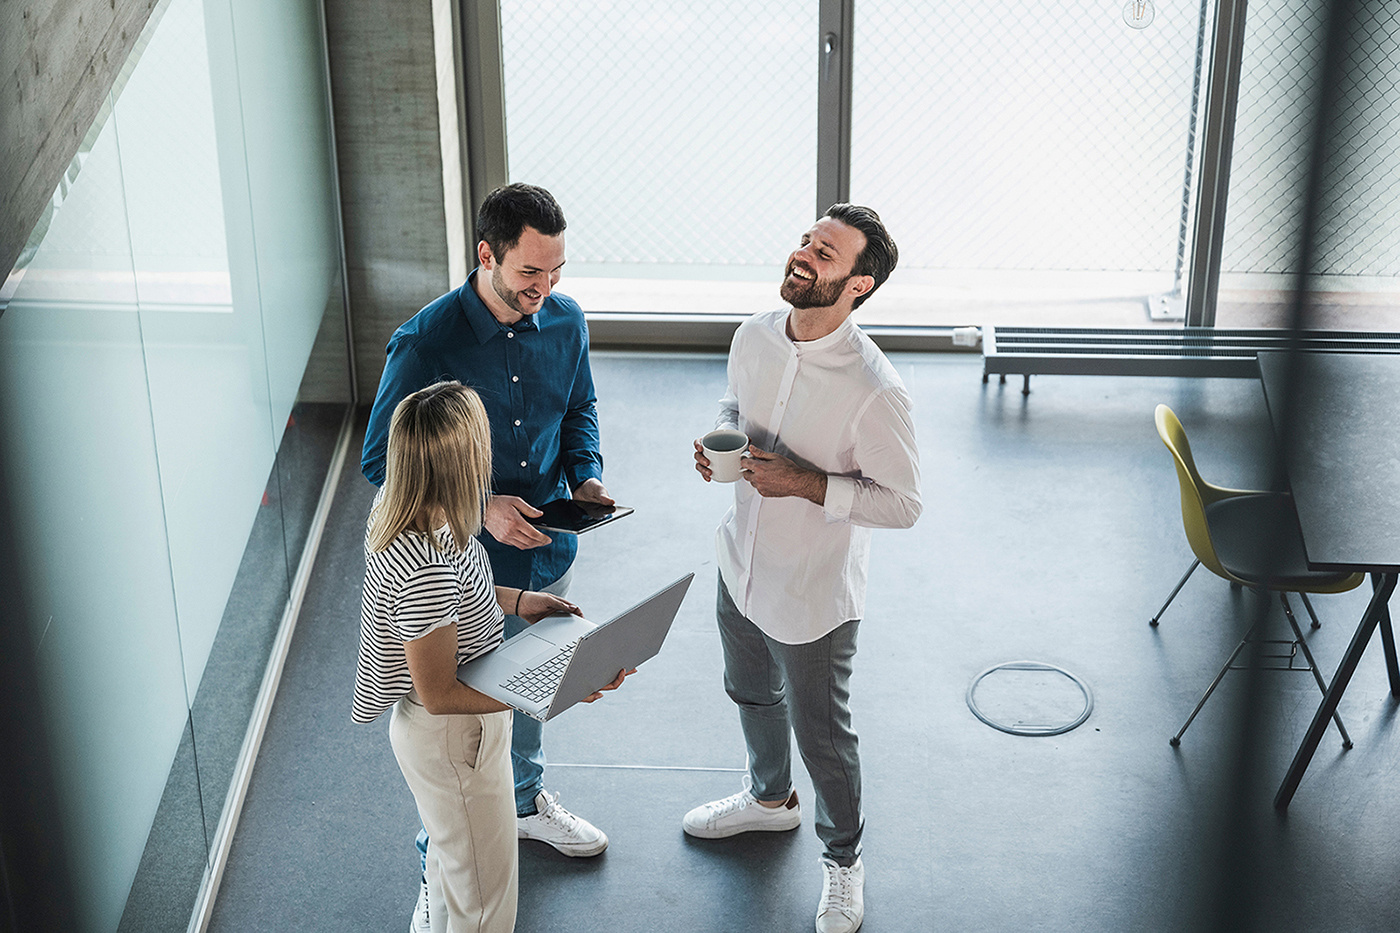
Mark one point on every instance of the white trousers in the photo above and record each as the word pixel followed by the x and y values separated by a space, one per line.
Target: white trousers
pixel 458 768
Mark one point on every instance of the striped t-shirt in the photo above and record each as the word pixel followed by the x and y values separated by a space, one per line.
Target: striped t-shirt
pixel 412 588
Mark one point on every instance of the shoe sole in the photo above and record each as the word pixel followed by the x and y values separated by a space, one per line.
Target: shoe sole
pixel 570 851
pixel 703 832
pixel 859 923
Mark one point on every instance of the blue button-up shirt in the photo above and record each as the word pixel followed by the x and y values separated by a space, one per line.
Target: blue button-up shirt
pixel 534 379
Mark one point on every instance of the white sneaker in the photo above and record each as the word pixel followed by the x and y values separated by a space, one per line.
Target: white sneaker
pixel 419 923
pixel 741 813
pixel 842 906
pixel 558 827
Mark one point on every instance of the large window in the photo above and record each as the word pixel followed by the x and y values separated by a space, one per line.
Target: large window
pixel 1038 163
pixel 1021 155
pixel 1357 259
pixel 1026 155
pixel 680 138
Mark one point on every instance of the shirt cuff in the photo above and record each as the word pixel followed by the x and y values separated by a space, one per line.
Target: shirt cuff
pixel 579 475
pixel 840 496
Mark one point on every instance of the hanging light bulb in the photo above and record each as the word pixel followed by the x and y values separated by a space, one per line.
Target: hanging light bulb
pixel 1138 13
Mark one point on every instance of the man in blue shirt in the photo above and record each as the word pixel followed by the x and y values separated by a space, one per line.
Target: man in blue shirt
pixel 524 349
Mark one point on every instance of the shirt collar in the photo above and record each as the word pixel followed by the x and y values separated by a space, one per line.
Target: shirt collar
pixel 839 336
pixel 483 323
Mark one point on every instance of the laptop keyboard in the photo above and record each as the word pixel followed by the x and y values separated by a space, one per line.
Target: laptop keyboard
pixel 537 684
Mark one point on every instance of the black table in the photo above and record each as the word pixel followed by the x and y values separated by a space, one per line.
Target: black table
pixel 1340 431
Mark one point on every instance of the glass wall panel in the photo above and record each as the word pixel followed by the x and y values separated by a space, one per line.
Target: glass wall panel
pixel 680 139
pixel 176 372
pixel 280 81
pixel 1357 265
pixel 205 357
pixel 86 487
pixel 1028 158
pixel 267 73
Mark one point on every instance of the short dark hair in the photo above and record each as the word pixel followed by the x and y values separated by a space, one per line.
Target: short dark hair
pixel 507 211
pixel 880 255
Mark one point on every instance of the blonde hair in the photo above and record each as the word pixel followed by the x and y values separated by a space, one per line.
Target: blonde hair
pixel 439 457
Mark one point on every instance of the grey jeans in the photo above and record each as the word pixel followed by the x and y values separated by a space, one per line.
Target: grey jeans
pixel 805 688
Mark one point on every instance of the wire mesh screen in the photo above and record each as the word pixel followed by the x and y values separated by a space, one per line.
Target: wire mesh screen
pixel 1358 227
pixel 1047 135
pixel 671 132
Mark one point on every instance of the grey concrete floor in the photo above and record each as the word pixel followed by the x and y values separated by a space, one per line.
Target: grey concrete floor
pixel 1051 531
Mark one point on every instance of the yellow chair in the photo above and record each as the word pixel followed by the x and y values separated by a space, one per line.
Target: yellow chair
pixel 1226 528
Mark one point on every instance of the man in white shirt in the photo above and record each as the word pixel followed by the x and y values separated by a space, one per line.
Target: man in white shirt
pixel 832 455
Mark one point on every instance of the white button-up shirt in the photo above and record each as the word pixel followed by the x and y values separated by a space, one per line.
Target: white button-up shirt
pixel 798 570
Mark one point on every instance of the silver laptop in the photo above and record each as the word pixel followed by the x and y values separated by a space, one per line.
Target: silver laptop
pixel 558 661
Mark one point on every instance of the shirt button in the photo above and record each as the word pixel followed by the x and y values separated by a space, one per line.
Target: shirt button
pixel 514 378
pixel 517 422
pixel 510 335
pixel 522 463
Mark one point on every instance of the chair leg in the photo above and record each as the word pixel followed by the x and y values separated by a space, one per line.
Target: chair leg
pixel 1307 604
pixel 1312 665
pixel 1176 739
pixel 1182 582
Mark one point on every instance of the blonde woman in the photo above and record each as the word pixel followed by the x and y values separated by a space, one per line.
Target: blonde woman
pixel 430 604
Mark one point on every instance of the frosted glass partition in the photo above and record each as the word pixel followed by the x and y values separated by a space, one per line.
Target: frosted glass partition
pixel 166 436
pixel 87 497
pixel 270 107
pixel 292 200
pixel 204 352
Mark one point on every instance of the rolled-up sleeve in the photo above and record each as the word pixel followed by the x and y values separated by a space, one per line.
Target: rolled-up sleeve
pixel 728 417
pixel 578 432
pixel 885 492
pixel 404 373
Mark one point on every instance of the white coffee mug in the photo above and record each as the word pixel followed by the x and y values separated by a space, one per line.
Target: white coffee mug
pixel 724 449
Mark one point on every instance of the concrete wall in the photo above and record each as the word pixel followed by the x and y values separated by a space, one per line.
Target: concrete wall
pixel 58 59
pixel 384 87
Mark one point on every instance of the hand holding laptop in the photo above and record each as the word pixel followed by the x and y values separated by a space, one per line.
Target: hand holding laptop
pixel 564 659
pixel 534 606
pixel 621 676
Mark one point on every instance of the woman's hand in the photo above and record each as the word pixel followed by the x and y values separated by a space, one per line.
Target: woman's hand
pixel 535 606
pixel 617 682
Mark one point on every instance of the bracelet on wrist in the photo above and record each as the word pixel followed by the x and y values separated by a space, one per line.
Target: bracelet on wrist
pixel 518 594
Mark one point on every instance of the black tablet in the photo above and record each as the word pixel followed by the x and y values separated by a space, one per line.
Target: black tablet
pixel 573 517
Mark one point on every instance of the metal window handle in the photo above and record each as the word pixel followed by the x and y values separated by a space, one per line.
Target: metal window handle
pixel 829 51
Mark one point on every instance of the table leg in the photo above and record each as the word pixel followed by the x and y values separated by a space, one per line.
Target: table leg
pixel 1376 611
pixel 1388 642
